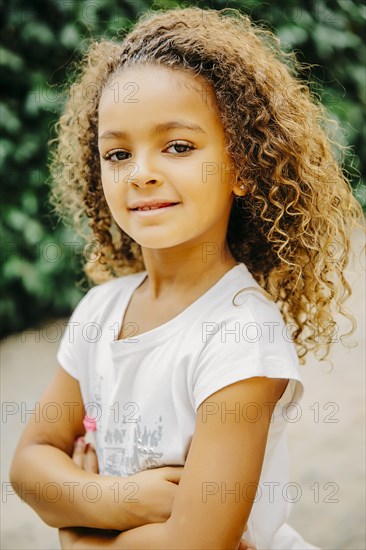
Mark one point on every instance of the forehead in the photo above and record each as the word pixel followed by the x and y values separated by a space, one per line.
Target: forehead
pixel 144 90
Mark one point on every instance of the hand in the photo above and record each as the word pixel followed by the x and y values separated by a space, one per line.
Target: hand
pixel 244 545
pixel 156 492
pixel 156 487
pixel 68 536
pixel 85 457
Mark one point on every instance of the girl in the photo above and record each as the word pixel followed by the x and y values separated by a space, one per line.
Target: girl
pixel 202 164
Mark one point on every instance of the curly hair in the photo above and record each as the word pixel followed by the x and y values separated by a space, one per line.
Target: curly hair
pixel 292 228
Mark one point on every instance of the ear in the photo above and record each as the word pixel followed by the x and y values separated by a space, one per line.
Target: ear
pixel 240 188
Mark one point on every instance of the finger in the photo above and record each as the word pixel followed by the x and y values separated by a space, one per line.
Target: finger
pixel 78 452
pixel 91 460
pixel 244 545
pixel 172 473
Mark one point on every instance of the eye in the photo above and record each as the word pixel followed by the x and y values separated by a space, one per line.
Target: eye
pixel 109 156
pixel 181 145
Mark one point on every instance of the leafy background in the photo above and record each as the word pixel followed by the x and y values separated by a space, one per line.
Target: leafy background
pixel 41 275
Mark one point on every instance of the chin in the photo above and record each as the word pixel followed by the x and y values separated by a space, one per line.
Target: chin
pixel 157 244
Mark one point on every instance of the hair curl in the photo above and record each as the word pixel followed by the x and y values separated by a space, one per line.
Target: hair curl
pixel 292 228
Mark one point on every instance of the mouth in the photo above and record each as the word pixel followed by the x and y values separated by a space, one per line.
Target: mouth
pixel 153 207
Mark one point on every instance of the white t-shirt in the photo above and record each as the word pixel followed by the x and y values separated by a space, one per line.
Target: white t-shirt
pixel 145 391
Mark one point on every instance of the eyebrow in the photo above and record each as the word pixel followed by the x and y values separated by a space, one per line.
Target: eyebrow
pixel 158 129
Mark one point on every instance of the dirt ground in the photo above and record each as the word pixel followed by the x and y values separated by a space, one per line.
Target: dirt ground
pixel 326 442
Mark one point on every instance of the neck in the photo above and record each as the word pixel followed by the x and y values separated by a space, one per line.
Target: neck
pixel 171 272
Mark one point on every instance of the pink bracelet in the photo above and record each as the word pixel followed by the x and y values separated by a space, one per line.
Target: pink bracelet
pixel 90 425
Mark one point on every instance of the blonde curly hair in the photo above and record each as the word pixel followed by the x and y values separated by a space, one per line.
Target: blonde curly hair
pixel 292 230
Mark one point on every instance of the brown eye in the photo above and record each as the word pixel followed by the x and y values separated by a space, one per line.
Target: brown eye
pixel 181 148
pixel 117 154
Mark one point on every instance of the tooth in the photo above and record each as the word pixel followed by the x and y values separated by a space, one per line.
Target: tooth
pixel 152 207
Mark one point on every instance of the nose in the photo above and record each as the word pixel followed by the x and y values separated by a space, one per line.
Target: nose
pixel 143 171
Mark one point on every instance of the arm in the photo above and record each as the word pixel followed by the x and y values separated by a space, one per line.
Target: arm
pixel 43 456
pixel 224 454
pixel 85 457
pixel 74 538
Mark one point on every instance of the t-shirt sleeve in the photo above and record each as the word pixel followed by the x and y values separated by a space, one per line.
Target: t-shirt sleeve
pixel 73 349
pixel 253 341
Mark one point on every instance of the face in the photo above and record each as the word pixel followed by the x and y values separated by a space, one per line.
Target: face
pixel 160 139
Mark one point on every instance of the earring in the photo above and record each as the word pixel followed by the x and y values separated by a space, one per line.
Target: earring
pixel 243 187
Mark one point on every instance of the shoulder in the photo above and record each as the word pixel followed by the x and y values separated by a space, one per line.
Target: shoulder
pixel 107 292
pixel 244 298
pixel 254 328
pixel 246 337
pixel 247 316
pixel 114 285
pixel 99 301
pixel 260 319
pixel 88 322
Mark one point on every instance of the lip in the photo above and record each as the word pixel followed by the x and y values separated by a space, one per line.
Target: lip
pixel 154 212
pixel 151 202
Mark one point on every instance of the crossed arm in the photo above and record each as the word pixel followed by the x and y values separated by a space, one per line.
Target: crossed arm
pixel 226 454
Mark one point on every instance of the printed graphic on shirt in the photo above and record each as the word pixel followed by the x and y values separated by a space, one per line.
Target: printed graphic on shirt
pixel 126 453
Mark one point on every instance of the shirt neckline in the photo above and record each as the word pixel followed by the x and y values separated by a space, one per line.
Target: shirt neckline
pixel 165 330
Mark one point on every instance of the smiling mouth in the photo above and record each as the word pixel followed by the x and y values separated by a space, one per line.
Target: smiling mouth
pixel 153 207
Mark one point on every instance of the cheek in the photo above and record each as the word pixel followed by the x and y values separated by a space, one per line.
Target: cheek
pixel 110 183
